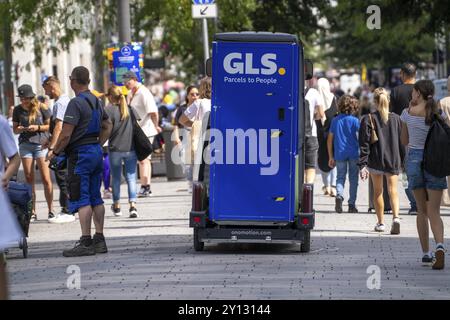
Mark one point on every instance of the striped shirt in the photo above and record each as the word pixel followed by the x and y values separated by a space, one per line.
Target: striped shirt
pixel 417 129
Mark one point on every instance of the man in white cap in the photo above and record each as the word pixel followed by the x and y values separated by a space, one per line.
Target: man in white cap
pixel 143 102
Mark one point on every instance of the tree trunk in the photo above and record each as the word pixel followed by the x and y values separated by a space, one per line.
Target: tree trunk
pixel 7 45
pixel 98 46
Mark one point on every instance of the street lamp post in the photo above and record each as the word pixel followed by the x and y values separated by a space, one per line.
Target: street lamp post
pixel 124 20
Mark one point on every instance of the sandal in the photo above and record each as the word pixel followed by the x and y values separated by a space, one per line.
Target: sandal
pixel 33 217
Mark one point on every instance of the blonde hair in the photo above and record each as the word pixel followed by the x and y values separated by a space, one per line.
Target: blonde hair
pixel 205 88
pixel 35 107
pixel 381 99
pixel 116 96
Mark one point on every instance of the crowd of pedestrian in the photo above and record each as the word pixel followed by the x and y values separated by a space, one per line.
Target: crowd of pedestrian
pixel 380 138
pixel 90 139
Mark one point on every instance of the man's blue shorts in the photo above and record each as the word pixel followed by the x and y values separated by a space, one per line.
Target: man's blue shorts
pixel 84 169
pixel 419 178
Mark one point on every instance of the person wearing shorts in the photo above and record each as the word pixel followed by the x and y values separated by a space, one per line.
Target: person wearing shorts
pixel 31 119
pixel 383 158
pixel 86 128
pixel 427 188
pixel 316 107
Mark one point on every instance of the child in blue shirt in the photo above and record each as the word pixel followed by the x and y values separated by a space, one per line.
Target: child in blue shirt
pixel 343 150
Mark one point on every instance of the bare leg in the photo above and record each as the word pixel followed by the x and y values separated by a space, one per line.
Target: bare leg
pixel 47 181
pixel 145 171
pixel 422 219
pixel 377 182
pixel 392 182
pixel 85 214
pixel 28 169
pixel 99 218
pixel 310 176
pixel 434 214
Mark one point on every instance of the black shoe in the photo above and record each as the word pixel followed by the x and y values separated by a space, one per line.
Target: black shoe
pixel 99 243
pixel 133 213
pixel 51 215
pixel 338 206
pixel 81 249
pixel 426 259
pixel 144 192
pixel 412 211
pixel 117 212
pixel 352 209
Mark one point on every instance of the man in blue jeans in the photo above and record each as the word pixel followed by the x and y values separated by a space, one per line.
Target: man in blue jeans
pixel 86 128
pixel 343 150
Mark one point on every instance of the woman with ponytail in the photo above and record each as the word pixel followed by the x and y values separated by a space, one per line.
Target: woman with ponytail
pixel 121 149
pixel 427 188
pixel 381 155
pixel 31 120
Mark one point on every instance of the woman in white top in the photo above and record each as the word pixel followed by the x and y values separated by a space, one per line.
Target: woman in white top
pixel 193 116
pixel 323 126
pixel 427 188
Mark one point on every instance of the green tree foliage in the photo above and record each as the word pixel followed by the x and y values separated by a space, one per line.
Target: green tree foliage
pixel 406 34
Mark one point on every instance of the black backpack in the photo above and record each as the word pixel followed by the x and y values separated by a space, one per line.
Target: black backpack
pixel 436 156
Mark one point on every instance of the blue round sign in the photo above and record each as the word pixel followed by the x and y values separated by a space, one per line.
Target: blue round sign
pixel 203 1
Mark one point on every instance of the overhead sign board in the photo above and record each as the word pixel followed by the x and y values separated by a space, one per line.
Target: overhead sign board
pixel 203 1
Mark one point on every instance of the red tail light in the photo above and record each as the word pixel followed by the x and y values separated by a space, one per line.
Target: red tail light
pixel 305 221
pixel 197 220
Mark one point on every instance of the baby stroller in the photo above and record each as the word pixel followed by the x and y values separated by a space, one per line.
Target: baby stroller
pixel 20 196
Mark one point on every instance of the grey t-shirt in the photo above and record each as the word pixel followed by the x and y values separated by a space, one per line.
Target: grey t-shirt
pixel 22 117
pixel 79 114
pixel 121 139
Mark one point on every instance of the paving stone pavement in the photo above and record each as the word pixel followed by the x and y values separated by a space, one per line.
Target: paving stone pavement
pixel 152 257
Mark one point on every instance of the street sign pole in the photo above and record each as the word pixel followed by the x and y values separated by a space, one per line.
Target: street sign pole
pixel 205 39
pixel 204 9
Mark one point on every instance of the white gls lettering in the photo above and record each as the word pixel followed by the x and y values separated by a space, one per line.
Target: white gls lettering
pixel 234 64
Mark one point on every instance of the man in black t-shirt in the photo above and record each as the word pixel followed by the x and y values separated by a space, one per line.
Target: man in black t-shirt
pixel 400 98
pixel 86 128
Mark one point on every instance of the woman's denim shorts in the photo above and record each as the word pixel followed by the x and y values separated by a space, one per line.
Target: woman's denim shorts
pixel 418 178
pixel 30 150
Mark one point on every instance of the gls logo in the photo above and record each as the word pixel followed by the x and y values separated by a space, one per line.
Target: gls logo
pixel 234 64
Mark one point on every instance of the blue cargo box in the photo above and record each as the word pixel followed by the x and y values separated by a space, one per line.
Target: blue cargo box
pixel 257 88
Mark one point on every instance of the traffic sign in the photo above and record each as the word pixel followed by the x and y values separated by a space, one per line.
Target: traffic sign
pixel 202 11
pixel 203 1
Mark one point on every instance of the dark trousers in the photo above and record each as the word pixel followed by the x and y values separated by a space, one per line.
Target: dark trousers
pixel 61 180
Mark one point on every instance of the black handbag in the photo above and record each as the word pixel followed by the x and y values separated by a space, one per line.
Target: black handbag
pixel 142 145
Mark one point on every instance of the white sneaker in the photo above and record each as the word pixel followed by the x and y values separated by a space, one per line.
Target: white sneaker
pixel 379 227
pixel 62 218
pixel 107 194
